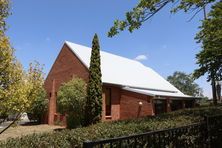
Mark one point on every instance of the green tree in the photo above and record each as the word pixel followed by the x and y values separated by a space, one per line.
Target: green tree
pixel 209 58
pixel 185 83
pixel 35 92
pixel 4 13
pixel 71 101
pixel 12 93
pixel 18 89
pixel 145 9
pixel 93 109
pixel 21 90
pixel 38 107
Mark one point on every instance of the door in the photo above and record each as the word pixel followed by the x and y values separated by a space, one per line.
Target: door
pixel 160 106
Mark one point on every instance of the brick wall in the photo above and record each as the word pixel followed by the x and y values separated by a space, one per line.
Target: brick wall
pixel 130 108
pixel 64 69
pixel 125 104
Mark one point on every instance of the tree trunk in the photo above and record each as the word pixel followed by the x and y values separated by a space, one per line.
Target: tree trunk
pixel 214 92
pixel 218 90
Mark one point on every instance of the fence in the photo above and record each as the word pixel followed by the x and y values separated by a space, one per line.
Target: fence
pixel 214 131
pixel 205 134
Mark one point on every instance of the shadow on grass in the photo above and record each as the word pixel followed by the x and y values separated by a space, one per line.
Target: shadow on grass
pixel 29 123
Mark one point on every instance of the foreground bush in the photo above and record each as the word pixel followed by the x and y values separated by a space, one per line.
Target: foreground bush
pixel 75 137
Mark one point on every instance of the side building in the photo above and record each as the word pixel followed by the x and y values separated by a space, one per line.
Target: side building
pixel 130 89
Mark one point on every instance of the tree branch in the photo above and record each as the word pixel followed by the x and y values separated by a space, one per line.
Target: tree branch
pixel 195 14
pixel 153 13
pixel 17 117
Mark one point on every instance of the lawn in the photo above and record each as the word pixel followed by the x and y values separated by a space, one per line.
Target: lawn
pixel 21 130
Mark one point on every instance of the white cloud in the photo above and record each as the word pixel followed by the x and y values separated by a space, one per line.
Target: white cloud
pixel 141 57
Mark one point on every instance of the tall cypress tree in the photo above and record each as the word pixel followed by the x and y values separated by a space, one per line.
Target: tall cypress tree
pixel 93 108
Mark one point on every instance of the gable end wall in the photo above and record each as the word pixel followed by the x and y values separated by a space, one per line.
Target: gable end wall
pixel 65 67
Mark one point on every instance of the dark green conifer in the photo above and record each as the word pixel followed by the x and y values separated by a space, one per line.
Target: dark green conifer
pixel 93 107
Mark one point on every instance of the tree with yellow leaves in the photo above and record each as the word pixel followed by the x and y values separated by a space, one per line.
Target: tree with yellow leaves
pixel 18 89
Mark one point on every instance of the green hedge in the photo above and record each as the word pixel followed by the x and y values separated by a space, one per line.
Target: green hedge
pixel 75 137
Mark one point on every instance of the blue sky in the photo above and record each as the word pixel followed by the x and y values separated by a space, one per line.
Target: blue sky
pixel 38 29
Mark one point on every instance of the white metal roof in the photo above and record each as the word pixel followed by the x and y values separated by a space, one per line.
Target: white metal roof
pixel 157 93
pixel 126 72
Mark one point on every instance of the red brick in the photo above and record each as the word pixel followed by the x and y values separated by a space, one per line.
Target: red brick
pixel 130 108
pixel 66 66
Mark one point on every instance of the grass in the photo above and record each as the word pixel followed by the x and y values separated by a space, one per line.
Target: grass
pixel 22 130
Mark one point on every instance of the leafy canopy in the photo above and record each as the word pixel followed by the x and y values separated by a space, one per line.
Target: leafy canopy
pixel 4 13
pixel 18 89
pixel 185 83
pixel 12 92
pixel 71 101
pixel 145 9
pixel 38 106
pixel 36 92
pixel 209 58
pixel 71 96
pixel 12 80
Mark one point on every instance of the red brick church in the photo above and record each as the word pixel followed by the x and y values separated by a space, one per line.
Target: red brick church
pixel 130 89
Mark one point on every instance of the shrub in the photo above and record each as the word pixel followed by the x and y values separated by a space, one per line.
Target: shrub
pixel 71 101
pixel 75 137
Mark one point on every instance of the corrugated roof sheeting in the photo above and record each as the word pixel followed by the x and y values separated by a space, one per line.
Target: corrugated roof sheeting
pixel 127 72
